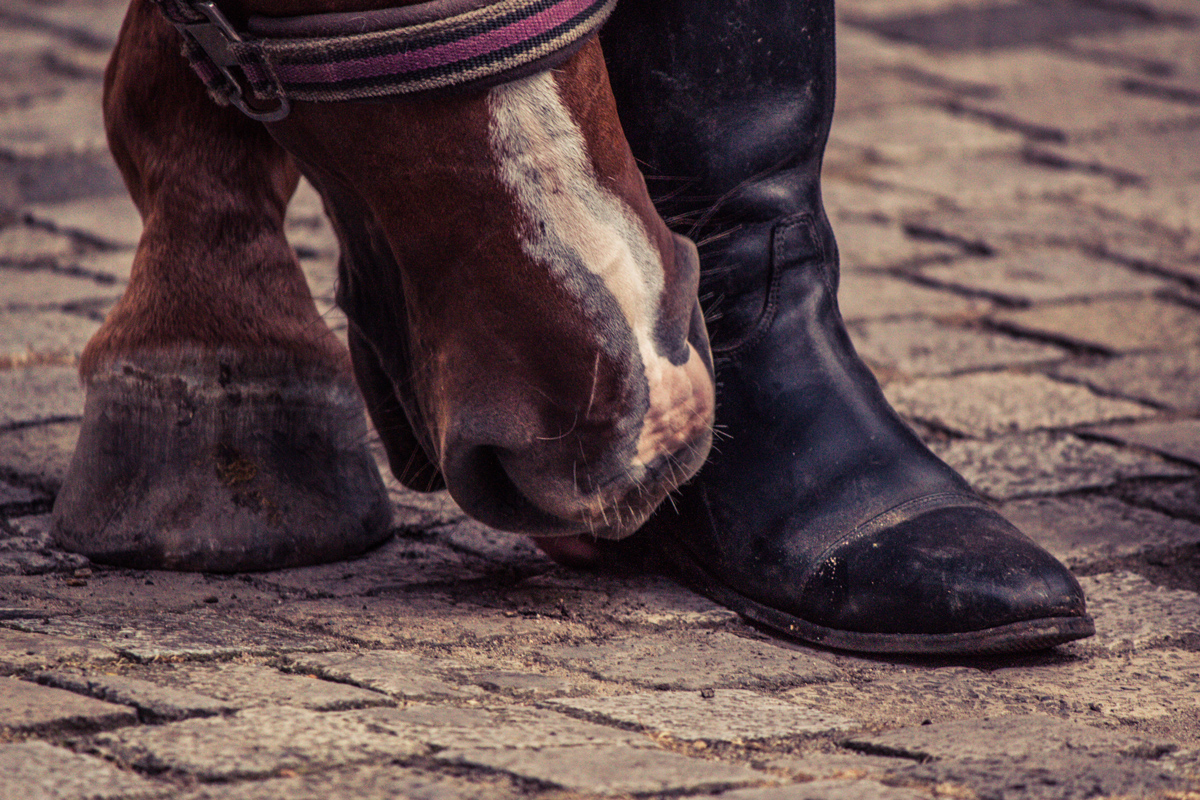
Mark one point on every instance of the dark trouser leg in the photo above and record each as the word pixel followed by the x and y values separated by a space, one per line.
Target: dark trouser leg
pixel 822 515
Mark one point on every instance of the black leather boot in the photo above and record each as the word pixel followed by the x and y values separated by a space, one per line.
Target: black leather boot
pixel 820 514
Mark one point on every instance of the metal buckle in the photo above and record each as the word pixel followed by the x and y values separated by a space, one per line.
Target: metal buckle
pixel 214 37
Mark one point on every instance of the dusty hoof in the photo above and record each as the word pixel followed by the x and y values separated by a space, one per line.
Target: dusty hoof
pixel 204 463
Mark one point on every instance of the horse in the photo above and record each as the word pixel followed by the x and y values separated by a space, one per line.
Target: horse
pixel 524 327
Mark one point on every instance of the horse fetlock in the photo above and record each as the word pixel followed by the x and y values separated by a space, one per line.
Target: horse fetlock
pixel 221 461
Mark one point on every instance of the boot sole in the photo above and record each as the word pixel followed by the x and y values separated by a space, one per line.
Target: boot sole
pixel 1016 637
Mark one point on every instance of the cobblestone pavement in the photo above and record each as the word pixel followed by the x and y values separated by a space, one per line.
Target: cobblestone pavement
pixel 1016 190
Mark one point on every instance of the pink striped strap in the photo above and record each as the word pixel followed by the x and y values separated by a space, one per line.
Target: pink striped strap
pixel 378 54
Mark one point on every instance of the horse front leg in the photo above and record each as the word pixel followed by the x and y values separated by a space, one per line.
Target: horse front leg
pixel 223 430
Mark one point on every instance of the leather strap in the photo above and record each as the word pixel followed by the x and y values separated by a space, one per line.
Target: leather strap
pixel 377 54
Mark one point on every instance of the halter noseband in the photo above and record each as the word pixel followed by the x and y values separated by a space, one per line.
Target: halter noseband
pixel 377 54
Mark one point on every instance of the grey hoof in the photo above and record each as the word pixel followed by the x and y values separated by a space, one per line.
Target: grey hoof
pixel 204 461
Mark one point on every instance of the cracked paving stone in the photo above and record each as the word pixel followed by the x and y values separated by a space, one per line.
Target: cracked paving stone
pixel 361 783
pixel 396 673
pixel 1178 438
pixel 729 715
pixel 39 771
pixel 24 651
pixel 13 495
pixel 40 454
pixel 1043 463
pixel 1152 685
pixel 924 347
pixel 522 684
pixel 1015 736
pixel 43 290
pixel 154 703
pixel 1171 379
pixel 700 660
pixel 28 707
pixel 1132 613
pixel 1114 325
pixel 991 404
pixel 199 633
pixel 1086 530
pixel 610 770
pixel 1043 274
pixel 1180 498
pixel 258 743
pixel 40 394
pixel 27 244
pixel 827 790
pixel 845 765
pixel 252 685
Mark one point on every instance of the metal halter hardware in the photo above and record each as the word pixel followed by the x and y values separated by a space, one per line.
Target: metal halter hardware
pixel 377 54
pixel 215 37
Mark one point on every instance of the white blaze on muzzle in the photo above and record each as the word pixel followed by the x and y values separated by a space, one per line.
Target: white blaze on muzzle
pixel 576 222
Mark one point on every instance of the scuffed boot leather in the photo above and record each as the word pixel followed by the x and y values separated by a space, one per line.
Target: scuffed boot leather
pixel 821 514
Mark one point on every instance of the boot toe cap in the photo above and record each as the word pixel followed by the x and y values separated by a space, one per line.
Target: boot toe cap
pixel 948 571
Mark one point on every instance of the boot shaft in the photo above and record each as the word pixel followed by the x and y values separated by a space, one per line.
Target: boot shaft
pixel 726 104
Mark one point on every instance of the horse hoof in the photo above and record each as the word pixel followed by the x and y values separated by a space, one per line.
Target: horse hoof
pixel 209 462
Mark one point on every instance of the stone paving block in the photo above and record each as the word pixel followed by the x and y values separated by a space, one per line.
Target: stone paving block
pixel 827 790
pixel 154 703
pixel 103 264
pixel 610 770
pixel 112 221
pixel 864 243
pixel 257 743
pixel 915 134
pixel 1059 775
pixel 93 23
pixel 1156 154
pixel 22 555
pixel 252 685
pixel 1177 498
pixel 197 634
pixel 43 290
pixel 388 782
pixel 43 336
pixel 844 765
pixel 1044 463
pixel 1113 325
pixel 25 651
pixel 663 603
pixel 1132 613
pixel 13 497
pixel 1087 530
pixel 398 673
pixel 996 403
pixel 427 619
pixel 39 394
pixel 1172 205
pixel 67 122
pixel 1015 736
pixel 1147 686
pixel 854 196
pixel 1052 92
pixel 27 244
pixel 1171 379
pixel 398 562
pixel 39 771
pixel 989 181
pixel 523 684
pixel 921 695
pixel 701 659
pixel 502 727
pixel 865 295
pixel 1043 274
pixel 1177 438
pixel 28 708
pixel 729 715
pixel 900 348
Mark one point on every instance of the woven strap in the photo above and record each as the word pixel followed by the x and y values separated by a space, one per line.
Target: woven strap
pixel 378 54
